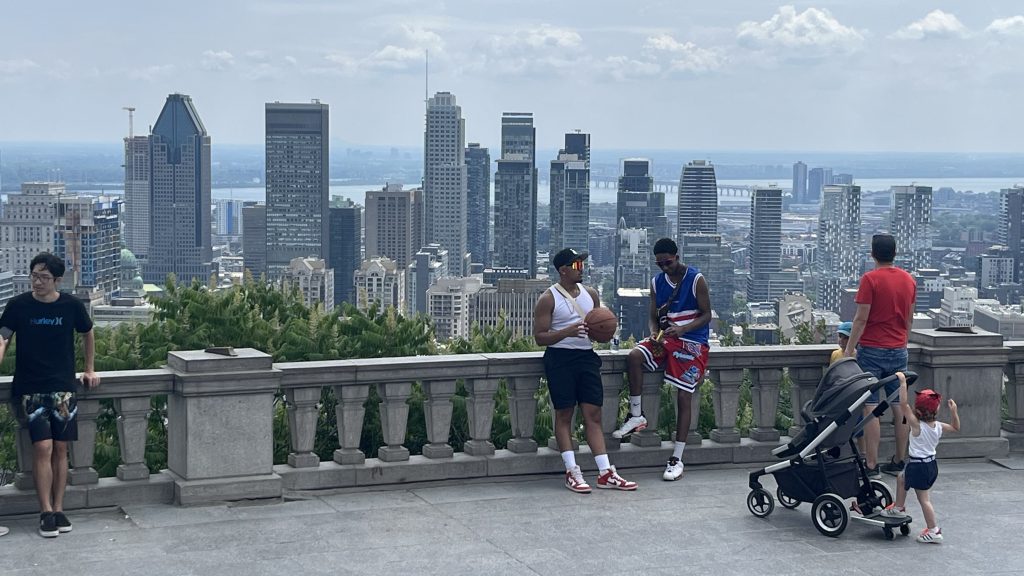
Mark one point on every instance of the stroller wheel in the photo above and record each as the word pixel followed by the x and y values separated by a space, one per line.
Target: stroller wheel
pixel 785 500
pixel 829 515
pixel 905 529
pixel 760 503
pixel 889 534
pixel 881 493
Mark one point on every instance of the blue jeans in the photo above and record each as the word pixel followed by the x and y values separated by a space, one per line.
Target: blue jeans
pixel 882 363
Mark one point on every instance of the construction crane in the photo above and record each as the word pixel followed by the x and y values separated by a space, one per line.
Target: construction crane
pixel 131 120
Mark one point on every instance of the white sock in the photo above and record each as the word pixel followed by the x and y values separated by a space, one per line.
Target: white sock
pixel 569 459
pixel 678 452
pixel 634 405
pixel 602 462
pixel 934 530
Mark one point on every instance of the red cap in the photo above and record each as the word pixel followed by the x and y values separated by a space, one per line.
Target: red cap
pixel 927 401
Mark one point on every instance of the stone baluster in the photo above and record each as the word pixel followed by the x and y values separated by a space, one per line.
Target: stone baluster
pixel 727 401
pixel 804 382
pixel 650 398
pixel 23 478
pixel 693 438
pixel 764 394
pixel 349 413
pixel 437 412
pixel 522 406
pixel 132 430
pixel 394 420
pixel 83 449
pixel 303 411
pixel 611 385
pixel 480 412
pixel 1014 422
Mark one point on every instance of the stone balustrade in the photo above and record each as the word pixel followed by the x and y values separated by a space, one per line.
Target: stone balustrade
pixel 220 418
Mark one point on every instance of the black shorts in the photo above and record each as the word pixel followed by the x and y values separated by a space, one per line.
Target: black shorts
pixel 574 377
pixel 51 416
pixel 920 475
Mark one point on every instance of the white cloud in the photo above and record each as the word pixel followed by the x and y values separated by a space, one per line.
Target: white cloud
pixel 17 66
pixel 624 68
pixel 423 38
pixel 394 58
pixel 538 50
pixel 813 31
pixel 221 60
pixel 683 56
pixel 937 24
pixel 1012 26
pixel 151 73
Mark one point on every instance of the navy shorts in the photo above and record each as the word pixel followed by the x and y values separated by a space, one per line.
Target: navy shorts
pixel 51 416
pixel 920 475
pixel 574 377
pixel 882 363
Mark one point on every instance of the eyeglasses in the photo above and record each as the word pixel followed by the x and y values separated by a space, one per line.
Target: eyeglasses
pixel 577 265
pixel 663 263
pixel 41 277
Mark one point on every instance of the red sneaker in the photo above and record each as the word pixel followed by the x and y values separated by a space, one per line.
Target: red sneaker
pixel 574 481
pixel 611 479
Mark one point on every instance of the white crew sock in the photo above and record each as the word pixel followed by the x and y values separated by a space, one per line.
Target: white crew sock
pixel 678 452
pixel 602 462
pixel 634 406
pixel 569 459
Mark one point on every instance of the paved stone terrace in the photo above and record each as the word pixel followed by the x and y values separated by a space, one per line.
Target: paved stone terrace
pixel 698 525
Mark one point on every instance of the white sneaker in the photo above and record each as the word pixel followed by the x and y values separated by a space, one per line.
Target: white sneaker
pixel 574 481
pixel 632 424
pixel 891 511
pixel 673 470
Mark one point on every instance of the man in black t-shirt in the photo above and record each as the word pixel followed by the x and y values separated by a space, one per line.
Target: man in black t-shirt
pixel 44 322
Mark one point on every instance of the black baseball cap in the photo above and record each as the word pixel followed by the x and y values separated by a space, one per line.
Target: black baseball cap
pixel 567 256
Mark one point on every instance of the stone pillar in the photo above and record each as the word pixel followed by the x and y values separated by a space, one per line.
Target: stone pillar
pixel 220 442
pixel 394 420
pixel 727 401
pixel 303 411
pixel 349 413
pixel 83 449
pixel 132 430
pixel 1015 399
pixel 804 382
pixel 23 478
pixel 611 385
pixel 694 438
pixel 480 410
pixel 437 411
pixel 765 398
pixel 650 395
pixel 522 406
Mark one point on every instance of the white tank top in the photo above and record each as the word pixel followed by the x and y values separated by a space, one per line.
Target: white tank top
pixel 565 315
pixel 923 445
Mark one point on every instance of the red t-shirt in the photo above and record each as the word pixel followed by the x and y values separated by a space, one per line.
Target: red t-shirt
pixel 891 292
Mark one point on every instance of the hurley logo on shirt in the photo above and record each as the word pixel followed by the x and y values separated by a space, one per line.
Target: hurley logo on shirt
pixel 57 321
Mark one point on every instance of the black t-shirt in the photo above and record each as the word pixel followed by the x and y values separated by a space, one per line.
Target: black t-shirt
pixel 45 332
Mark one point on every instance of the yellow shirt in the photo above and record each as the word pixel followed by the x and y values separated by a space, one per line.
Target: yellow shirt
pixel 836 355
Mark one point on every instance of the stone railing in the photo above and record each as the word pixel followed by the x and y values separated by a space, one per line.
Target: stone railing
pixel 220 418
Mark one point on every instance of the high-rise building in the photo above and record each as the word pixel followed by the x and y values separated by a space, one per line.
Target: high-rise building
pixel 800 183
pixel 707 253
pixel 478 203
pixel 89 240
pixel 136 195
pixel 445 187
pixel 346 224
pixel 515 194
pixel 512 299
pixel 817 179
pixel 428 265
pixel 298 180
pixel 1011 227
pixel 313 278
pixel 911 224
pixel 391 223
pixel 180 231
pixel 842 179
pixel 633 257
pixel 6 288
pixel 27 228
pixel 379 282
pixel 997 266
pixel 227 223
pixel 698 199
pixel 765 251
pixel 838 253
pixel 569 189
pixel 640 207
pixel 448 304
pixel 254 238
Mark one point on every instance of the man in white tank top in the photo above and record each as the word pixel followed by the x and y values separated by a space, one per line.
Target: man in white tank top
pixel 573 370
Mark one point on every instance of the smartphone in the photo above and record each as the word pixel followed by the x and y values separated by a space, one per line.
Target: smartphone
pixel 6 333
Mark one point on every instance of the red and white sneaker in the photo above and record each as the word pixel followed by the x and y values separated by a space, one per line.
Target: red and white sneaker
pixel 574 481
pixel 611 479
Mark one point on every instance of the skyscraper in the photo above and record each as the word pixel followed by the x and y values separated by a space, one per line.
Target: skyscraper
pixel 254 238
pixel 765 241
pixel 698 199
pixel 390 224
pixel 445 180
pixel 817 179
pixel 179 154
pixel 298 179
pixel 569 206
pixel 800 183
pixel 1011 227
pixel 88 238
pixel 515 194
pixel 911 224
pixel 346 223
pixel 27 228
pixel 838 253
pixel 136 195
pixel 478 204
pixel 638 206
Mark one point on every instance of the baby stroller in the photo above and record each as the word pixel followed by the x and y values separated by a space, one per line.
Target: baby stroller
pixel 817 467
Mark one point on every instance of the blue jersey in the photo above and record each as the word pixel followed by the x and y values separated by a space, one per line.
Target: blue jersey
pixel 684 309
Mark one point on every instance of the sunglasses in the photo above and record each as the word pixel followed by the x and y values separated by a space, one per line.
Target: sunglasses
pixel 577 265
pixel 663 263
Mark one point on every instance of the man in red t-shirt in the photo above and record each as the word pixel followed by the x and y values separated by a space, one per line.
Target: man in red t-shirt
pixel 885 313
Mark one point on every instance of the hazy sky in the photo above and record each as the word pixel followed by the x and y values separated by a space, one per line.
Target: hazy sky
pixel 925 75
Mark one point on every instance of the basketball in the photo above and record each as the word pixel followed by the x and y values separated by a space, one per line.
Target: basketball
pixel 601 324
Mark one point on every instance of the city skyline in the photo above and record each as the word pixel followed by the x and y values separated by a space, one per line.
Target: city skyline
pixel 875 73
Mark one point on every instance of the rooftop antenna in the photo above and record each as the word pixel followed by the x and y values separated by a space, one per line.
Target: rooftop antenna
pixel 426 76
pixel 131 120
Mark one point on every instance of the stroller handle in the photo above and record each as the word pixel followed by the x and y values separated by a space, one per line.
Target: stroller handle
pixel 911 379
